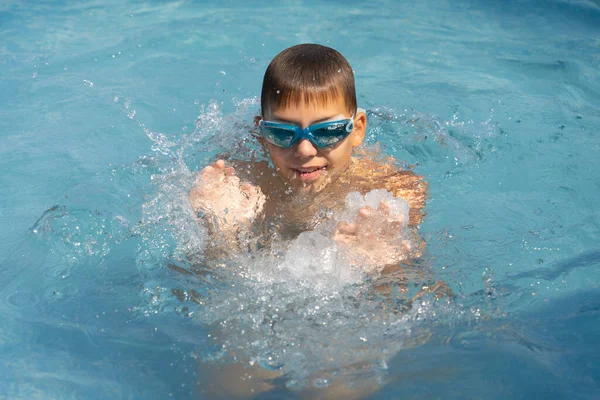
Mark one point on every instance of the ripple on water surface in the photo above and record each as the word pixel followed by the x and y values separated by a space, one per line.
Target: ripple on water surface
pixel 299 308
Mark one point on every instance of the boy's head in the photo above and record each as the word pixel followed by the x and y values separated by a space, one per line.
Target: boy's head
pixel 309 74
pixel 305 85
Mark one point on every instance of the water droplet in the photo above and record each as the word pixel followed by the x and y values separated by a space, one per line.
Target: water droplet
pixel 278 92
pixel 223 73
pixel 321 383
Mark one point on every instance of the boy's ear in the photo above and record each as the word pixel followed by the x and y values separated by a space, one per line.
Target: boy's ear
pixel 360 128
pixel 258 137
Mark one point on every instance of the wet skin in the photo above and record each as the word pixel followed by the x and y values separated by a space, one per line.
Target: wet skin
pixel 304 166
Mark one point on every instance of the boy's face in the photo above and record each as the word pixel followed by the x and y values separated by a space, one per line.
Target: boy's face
pixel 304 166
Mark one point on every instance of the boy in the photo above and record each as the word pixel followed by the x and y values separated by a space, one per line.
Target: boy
pixel 310 127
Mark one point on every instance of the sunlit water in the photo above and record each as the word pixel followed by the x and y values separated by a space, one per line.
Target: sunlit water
pixel 108 109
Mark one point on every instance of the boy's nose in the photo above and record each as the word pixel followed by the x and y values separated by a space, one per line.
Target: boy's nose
pixel 305 148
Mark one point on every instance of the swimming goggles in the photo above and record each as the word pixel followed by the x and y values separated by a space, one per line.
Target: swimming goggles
pixel 324 134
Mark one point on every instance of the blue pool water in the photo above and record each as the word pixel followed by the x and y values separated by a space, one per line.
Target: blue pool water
pixel 107 108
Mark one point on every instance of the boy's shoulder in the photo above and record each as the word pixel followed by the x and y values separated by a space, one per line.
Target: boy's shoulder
pixel 376 173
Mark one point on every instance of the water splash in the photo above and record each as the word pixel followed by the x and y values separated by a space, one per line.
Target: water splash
pixel 420 139
pixel 296 307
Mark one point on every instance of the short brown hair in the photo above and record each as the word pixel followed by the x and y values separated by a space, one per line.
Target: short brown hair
pixel 307 73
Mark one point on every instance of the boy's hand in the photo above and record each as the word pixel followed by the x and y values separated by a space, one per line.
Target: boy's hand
pixel 227 202
pixel 375 235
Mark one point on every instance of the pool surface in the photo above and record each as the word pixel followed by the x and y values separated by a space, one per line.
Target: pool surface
pixel 108 108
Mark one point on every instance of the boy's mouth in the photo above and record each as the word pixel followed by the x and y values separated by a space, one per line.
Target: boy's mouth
pixel 309 174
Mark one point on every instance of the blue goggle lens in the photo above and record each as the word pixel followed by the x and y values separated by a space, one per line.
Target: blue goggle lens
pixel 325 134
pixel 325 137
pixel 278 136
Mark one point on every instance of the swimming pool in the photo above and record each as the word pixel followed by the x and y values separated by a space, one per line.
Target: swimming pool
pixel 107 107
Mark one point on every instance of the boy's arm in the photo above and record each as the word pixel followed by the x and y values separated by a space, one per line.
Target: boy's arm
pixel 413 189
pixel 373 173
pixel 225 205
pixel 379 236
